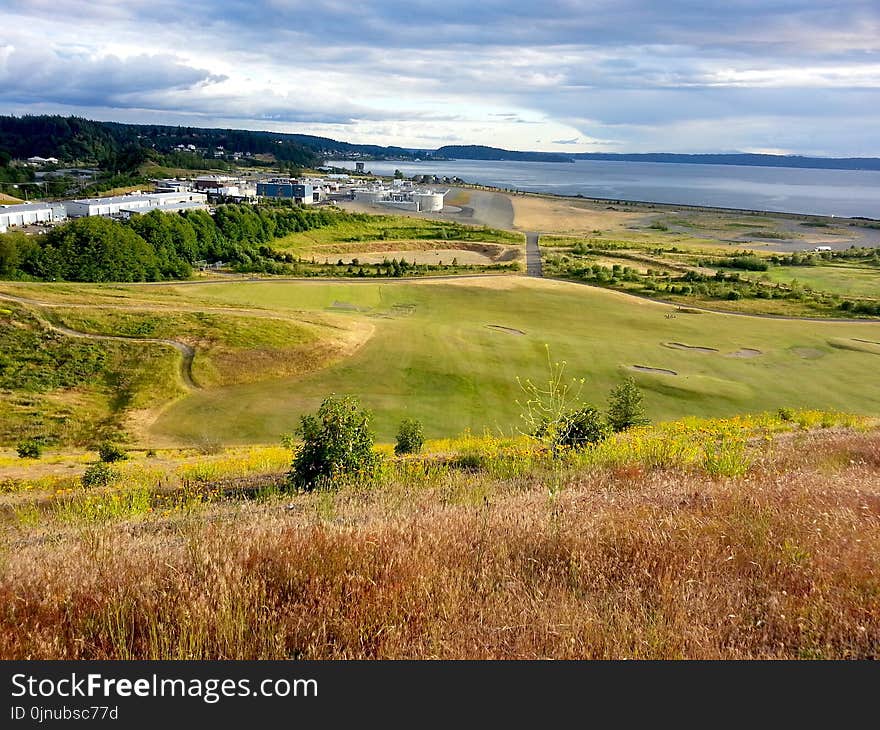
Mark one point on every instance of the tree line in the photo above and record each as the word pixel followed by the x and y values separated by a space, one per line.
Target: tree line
pixel 159 246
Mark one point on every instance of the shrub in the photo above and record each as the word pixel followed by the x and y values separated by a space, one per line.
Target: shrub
pixel 109 452
pixel 625 408
pixel 410 437
pixel 580 428
pixel 30 449
pixel 98 475
pixel 337 443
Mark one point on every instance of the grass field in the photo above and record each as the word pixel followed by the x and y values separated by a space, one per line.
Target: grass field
pixel 432 353
pixel 433 356
pixel 859 281
pixel 390 228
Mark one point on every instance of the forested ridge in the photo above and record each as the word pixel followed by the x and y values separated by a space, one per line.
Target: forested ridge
pixel 116 146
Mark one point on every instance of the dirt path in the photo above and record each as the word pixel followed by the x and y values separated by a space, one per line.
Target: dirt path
pixel 187 352
pixel 533 255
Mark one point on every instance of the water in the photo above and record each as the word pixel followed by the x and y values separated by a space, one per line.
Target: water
pixel 784 189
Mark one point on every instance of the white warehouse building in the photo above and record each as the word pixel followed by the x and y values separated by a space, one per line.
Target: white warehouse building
pixel 125 204
pixel 28 214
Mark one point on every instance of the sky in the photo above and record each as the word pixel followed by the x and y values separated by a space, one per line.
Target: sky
pixel 777 76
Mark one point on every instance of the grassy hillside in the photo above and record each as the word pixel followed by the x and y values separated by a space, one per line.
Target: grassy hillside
pixel 434 356
pixel 749 538
pixel 449 352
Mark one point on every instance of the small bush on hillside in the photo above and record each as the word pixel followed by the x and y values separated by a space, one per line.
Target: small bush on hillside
pixel 98 475
pixel 578 429
pixel 29 449
pixel 337 443
pixel 109 452
pixel 625 408
pixel 410 437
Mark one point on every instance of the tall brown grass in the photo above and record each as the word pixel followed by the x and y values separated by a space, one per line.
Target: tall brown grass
pixel 620 561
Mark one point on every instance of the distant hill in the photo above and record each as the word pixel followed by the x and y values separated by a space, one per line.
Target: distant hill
pixel 480 152
pixel 123 146
pixel 827 163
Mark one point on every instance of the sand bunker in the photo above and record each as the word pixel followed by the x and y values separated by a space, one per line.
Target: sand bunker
pixel 745 352
pixel 808 353
pixel 345 307
pixel 693 348
pixel 646 369
pixel 855 345
pixel 508 330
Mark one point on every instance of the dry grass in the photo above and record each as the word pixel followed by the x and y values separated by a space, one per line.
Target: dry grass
pixel 561 215
pixel 608 562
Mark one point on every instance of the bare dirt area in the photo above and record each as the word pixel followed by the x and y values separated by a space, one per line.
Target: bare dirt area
pixel 436 256
pixel 422 252
pixel 567 216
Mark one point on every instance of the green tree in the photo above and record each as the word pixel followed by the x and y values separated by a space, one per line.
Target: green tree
pixel 95 249
pixel 337 443
pixel 625 407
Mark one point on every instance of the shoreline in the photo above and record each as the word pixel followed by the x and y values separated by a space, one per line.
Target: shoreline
pixel 856 220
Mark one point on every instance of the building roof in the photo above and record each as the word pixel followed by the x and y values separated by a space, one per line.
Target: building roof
pixel 26 207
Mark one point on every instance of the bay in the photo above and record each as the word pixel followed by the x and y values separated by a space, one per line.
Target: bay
pixel 844 193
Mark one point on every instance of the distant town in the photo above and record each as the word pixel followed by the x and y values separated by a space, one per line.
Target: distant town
pixel 172 195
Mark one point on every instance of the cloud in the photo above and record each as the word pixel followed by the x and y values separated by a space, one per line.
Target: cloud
pixel 613 74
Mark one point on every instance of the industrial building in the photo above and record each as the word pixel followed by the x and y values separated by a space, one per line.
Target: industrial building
pixel 287 189
pixel 419 201
pixel 28 214
pixel 212 182
pixel 122 205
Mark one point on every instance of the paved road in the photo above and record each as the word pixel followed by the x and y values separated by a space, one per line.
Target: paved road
pixel 533 255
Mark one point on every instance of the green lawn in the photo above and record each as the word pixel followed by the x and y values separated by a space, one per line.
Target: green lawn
pixel 432 356
pixel 858 281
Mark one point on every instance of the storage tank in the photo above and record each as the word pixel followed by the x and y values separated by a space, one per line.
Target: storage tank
pixel 429 201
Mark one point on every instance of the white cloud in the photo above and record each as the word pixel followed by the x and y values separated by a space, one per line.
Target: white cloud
pixel 677 76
